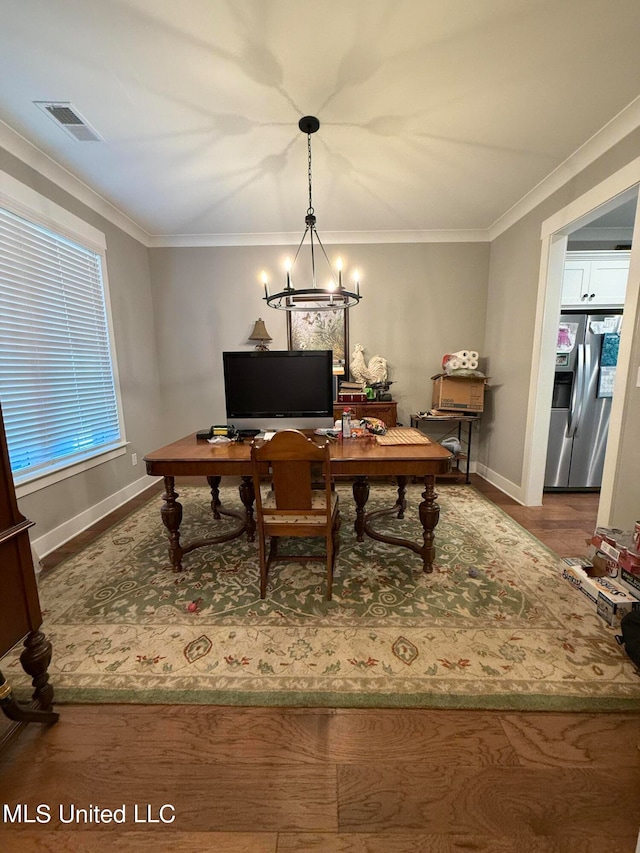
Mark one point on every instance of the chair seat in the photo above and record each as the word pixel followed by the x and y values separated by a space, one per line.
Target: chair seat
pixel 318 501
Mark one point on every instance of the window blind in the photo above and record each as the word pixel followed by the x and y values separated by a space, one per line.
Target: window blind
pixel 56 377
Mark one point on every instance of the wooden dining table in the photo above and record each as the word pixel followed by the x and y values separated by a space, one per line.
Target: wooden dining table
pixel 362 460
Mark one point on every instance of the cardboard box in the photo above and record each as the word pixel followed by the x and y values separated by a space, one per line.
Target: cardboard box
pixel 459 393
pixel 612 608
pixel 611 599
pixel 630 582
pixel 604 565
pixel 586 565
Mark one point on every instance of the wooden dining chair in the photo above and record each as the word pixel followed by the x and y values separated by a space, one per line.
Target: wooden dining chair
pixel 293 507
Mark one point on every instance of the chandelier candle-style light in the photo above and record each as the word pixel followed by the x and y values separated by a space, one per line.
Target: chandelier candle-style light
pixel 314 298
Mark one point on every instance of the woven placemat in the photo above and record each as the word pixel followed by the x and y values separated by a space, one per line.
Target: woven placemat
pixel 403 435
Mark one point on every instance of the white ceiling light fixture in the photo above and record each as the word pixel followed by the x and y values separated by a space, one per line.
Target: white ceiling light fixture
pixel 334 296
pixel 67 117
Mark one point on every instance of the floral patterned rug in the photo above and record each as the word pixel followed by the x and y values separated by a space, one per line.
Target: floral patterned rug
pixel 494 626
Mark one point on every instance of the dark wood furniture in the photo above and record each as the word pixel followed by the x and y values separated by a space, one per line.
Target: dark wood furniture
pixel 359 459
pixel 294 506
pixel 20 614
pixel 387 412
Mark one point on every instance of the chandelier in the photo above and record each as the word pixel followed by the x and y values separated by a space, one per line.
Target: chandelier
pixel 334 296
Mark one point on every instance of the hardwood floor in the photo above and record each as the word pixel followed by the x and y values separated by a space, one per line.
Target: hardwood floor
pixel 325 780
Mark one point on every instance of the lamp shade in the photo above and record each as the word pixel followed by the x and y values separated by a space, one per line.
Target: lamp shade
pixel 260 333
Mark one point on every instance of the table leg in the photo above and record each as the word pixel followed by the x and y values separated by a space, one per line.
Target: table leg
pixel 171 513
pixel 360 496
pixel 401 503
pixel 214 483
pixel 247 496
pixel 23 713
pixel 429 512
pixel 35 660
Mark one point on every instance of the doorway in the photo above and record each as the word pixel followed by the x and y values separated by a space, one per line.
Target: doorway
pixel 617 191
pixel 594 284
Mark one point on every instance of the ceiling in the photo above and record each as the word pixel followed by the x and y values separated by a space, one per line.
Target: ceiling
pixel 435 116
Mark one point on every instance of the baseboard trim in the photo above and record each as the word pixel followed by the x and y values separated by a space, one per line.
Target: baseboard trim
pixel 57 537
pixel 510 489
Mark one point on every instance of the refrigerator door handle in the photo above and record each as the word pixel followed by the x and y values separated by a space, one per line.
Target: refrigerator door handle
pixel 585 381
pixel 576 395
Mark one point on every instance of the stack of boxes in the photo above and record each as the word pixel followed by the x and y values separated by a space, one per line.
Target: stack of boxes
pixel 610 573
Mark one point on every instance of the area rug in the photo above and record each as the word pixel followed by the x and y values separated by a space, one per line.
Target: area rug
pixel 494 626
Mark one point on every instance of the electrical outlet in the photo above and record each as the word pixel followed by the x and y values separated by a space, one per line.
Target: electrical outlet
pixel 134 458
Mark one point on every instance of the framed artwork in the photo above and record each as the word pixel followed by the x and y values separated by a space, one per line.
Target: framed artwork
pixel 320 330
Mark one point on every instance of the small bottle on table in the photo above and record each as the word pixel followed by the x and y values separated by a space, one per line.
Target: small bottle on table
pixel 346 423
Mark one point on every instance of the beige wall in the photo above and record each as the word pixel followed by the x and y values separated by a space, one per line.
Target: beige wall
pixel 419 302
pixel 132 311
pixel 511 304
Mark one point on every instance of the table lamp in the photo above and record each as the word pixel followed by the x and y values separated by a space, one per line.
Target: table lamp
pixel 260 334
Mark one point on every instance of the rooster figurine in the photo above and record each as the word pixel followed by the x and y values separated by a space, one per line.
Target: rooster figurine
pixel 369 374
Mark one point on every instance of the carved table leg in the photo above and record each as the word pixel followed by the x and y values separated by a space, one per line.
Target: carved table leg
pixel 35 660
pixel 429 512
pixel 247 496
pixel 401 503
pixel 214 483
pixel 19 713
pixel 360 496
pixel 171 513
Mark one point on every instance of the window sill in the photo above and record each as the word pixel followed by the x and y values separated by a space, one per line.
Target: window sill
pixel 43 479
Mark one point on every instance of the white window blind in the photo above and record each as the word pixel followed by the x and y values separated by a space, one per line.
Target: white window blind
pixel 56 377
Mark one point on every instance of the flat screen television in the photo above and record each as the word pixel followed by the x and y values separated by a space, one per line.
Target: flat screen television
pixel 267 390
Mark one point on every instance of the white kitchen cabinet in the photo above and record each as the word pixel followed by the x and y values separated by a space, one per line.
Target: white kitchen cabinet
pixel 595 279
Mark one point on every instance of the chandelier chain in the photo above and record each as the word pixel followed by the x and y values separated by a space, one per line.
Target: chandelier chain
pixel 310 209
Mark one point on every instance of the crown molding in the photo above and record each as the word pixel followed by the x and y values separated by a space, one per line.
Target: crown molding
pixel 621 125
pixel 343 238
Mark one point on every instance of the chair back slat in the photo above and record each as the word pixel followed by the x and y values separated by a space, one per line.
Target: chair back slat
pixel 292 484
pixel 294 507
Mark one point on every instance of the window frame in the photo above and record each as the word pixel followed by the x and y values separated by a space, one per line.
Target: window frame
pixel 29 204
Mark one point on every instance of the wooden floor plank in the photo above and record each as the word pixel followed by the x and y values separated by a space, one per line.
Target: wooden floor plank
pixel 489 801
pixel 98 841
pixel 221 798
pixel 209 735
pixel 420 842
pixel 570 740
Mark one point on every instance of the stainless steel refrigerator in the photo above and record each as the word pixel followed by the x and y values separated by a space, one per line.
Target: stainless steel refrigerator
pixel 586 358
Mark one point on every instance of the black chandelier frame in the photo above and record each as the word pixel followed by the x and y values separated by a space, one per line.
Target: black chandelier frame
pixel 312 298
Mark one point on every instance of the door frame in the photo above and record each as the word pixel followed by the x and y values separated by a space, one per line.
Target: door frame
pixel 617 188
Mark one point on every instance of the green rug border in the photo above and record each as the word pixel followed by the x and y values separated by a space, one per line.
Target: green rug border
pixel 322 699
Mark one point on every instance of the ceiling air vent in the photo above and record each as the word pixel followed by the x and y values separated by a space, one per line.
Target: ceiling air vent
pixel 69 119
